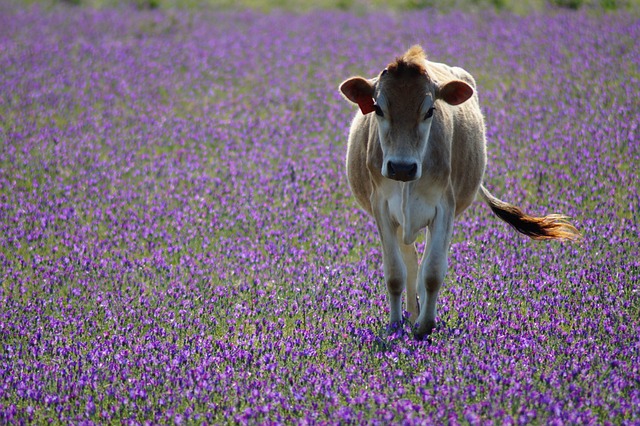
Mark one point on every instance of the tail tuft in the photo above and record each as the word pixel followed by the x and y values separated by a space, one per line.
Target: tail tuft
pixel 550 227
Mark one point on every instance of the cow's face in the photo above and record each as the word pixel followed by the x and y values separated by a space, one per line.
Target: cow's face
pixel 403 99
pixel 404 108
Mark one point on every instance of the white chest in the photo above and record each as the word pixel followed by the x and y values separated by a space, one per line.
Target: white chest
pixel 411 205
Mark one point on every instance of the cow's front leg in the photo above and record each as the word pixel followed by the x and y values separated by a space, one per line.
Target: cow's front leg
pixel 410 257
pixel 434 265
pixel 395 271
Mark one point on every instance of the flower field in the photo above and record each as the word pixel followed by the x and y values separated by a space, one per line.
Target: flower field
pixel 178 241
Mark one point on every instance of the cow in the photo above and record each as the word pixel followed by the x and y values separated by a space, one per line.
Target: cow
pixel 416 158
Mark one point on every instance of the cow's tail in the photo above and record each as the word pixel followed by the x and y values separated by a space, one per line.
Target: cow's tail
pixel 550 227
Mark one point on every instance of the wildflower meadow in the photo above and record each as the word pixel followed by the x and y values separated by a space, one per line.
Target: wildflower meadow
pixel 179 244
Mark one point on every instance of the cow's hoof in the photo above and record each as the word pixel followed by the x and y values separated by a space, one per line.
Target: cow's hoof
pixel 422 334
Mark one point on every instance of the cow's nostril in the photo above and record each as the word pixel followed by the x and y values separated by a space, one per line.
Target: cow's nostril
pixel 391 169
pixel 402 171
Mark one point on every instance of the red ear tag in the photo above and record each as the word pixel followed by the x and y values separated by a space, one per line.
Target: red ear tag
pixel 366 105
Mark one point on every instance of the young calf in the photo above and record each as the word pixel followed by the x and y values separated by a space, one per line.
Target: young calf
pixel 417 163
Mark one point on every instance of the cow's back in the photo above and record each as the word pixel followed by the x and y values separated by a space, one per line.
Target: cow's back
pixel 468 151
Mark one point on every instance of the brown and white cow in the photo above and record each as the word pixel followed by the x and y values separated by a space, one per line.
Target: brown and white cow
pixel 415 160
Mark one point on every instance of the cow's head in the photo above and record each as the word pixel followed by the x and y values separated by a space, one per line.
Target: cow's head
pixel 403 99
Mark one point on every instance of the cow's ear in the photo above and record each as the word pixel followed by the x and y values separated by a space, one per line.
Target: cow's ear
pixel 455 92
pixel 359 91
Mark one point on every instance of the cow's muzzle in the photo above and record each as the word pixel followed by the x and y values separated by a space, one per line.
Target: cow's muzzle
pixel 402 171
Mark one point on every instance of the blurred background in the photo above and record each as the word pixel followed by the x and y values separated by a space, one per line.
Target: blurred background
pixel 513 6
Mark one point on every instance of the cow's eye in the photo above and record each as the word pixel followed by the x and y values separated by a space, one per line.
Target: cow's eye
pixel 429 112
pixel 378 110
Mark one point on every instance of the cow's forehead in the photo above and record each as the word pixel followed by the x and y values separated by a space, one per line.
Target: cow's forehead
pixel 405 89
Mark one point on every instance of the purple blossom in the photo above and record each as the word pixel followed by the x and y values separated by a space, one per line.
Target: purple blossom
pixel 178 242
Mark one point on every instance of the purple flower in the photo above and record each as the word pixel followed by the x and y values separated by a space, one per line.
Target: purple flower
pixel 178 242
